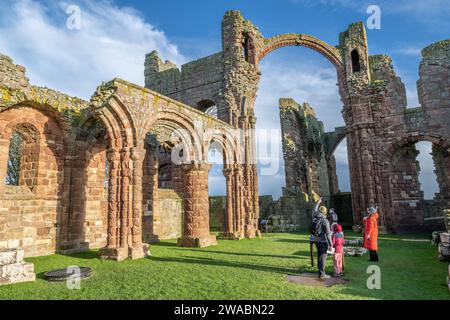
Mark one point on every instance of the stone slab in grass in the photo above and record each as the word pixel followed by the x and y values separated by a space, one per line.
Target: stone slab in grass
pixel 312 280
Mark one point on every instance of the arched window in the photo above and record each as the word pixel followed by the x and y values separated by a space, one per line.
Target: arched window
pixel 165 166
pixel 248 49
pixel 245 47
pixel 208 107
pixel 356 65
pixel 16 145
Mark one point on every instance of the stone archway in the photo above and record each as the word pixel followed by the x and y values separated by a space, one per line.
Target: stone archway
pixel 125 177
pixel 128 113
pixel 331 53
pixel 189 177
pixel 405 212
pixel 38 194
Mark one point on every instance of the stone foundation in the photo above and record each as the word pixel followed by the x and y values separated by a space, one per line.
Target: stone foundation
pixel 13 269
pixel 120 254
pixel 203 242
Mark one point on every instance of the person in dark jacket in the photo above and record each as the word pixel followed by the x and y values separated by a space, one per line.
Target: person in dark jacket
pixel 323 239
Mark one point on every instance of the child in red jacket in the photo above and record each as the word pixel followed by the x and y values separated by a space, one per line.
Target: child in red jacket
pixel 338 245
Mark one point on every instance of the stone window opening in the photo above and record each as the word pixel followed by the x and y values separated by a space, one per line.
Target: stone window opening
pixel 248 49
pixel 165 166
pixel 245 48
pixel 14 159
pixel 23 157
pixel 356 64
pixel 208 107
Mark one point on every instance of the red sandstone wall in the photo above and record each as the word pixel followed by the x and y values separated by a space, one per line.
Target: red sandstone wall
pixel 29 213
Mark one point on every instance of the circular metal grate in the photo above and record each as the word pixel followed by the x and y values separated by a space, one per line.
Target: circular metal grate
pixel 67 273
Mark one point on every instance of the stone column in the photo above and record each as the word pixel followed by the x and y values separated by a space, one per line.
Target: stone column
pixel 239 201
pixel 73 219
pixel 125 196
pixel 256 201
pixel 111 249
pixel 119 209
pixel 196 217
pixel 230 230
pixel 137 249
pixel 252 197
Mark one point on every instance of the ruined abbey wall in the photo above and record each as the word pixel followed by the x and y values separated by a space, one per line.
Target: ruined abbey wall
pixel 90 176
pixel 196 82
pixel 304 150
pixel 399 128
pixel 378 122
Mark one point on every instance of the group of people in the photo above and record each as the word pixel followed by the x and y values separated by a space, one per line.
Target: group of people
pixel 328 236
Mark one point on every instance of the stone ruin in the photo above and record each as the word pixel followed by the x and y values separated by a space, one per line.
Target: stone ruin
pixel 13 269
pixel 94 174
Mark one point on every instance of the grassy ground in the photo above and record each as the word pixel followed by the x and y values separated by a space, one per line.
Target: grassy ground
pixel 246 269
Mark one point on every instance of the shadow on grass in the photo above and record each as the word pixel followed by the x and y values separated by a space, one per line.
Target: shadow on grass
pixel 246 254
pixel 86 255
pixel 40 275
pixel 223 263
pixel 291 240
pixel 164 244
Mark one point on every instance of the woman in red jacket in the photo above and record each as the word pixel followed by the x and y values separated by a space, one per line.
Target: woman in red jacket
pixel 371 233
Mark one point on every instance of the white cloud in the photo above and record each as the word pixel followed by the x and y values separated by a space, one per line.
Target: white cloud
pixel 409 51
pixel 112 42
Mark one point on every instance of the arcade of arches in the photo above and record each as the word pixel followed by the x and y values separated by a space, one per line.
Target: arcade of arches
pixel 130 165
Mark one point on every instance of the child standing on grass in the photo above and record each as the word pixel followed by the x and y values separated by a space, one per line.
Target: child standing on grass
pixel 338 245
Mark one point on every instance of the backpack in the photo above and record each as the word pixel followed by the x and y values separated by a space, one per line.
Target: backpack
pixel 316 228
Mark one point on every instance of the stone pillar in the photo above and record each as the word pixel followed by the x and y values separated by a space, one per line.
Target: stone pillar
pixel 114 250
pixel 230 231
pixel 137 249
pixel 256 201
pixel 239 199
pixel 125 196
pixel 252 225
pixel 71 229
pixel 196 218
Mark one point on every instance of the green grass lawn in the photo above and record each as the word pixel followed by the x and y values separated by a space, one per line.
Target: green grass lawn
pixel 246 269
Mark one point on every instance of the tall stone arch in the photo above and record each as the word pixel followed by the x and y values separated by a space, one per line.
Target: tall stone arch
pixel 244 47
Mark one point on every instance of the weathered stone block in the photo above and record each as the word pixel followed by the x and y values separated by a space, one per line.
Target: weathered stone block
pixel 13 269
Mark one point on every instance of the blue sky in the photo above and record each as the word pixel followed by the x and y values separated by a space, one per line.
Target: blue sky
pixel 115 35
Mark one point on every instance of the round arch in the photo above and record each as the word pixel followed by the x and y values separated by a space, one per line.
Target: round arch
pixel 390 205
pixel 331 53
pixel 412 139
pixel 303 40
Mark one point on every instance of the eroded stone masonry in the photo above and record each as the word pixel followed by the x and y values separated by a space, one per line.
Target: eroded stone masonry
pixel 100 173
